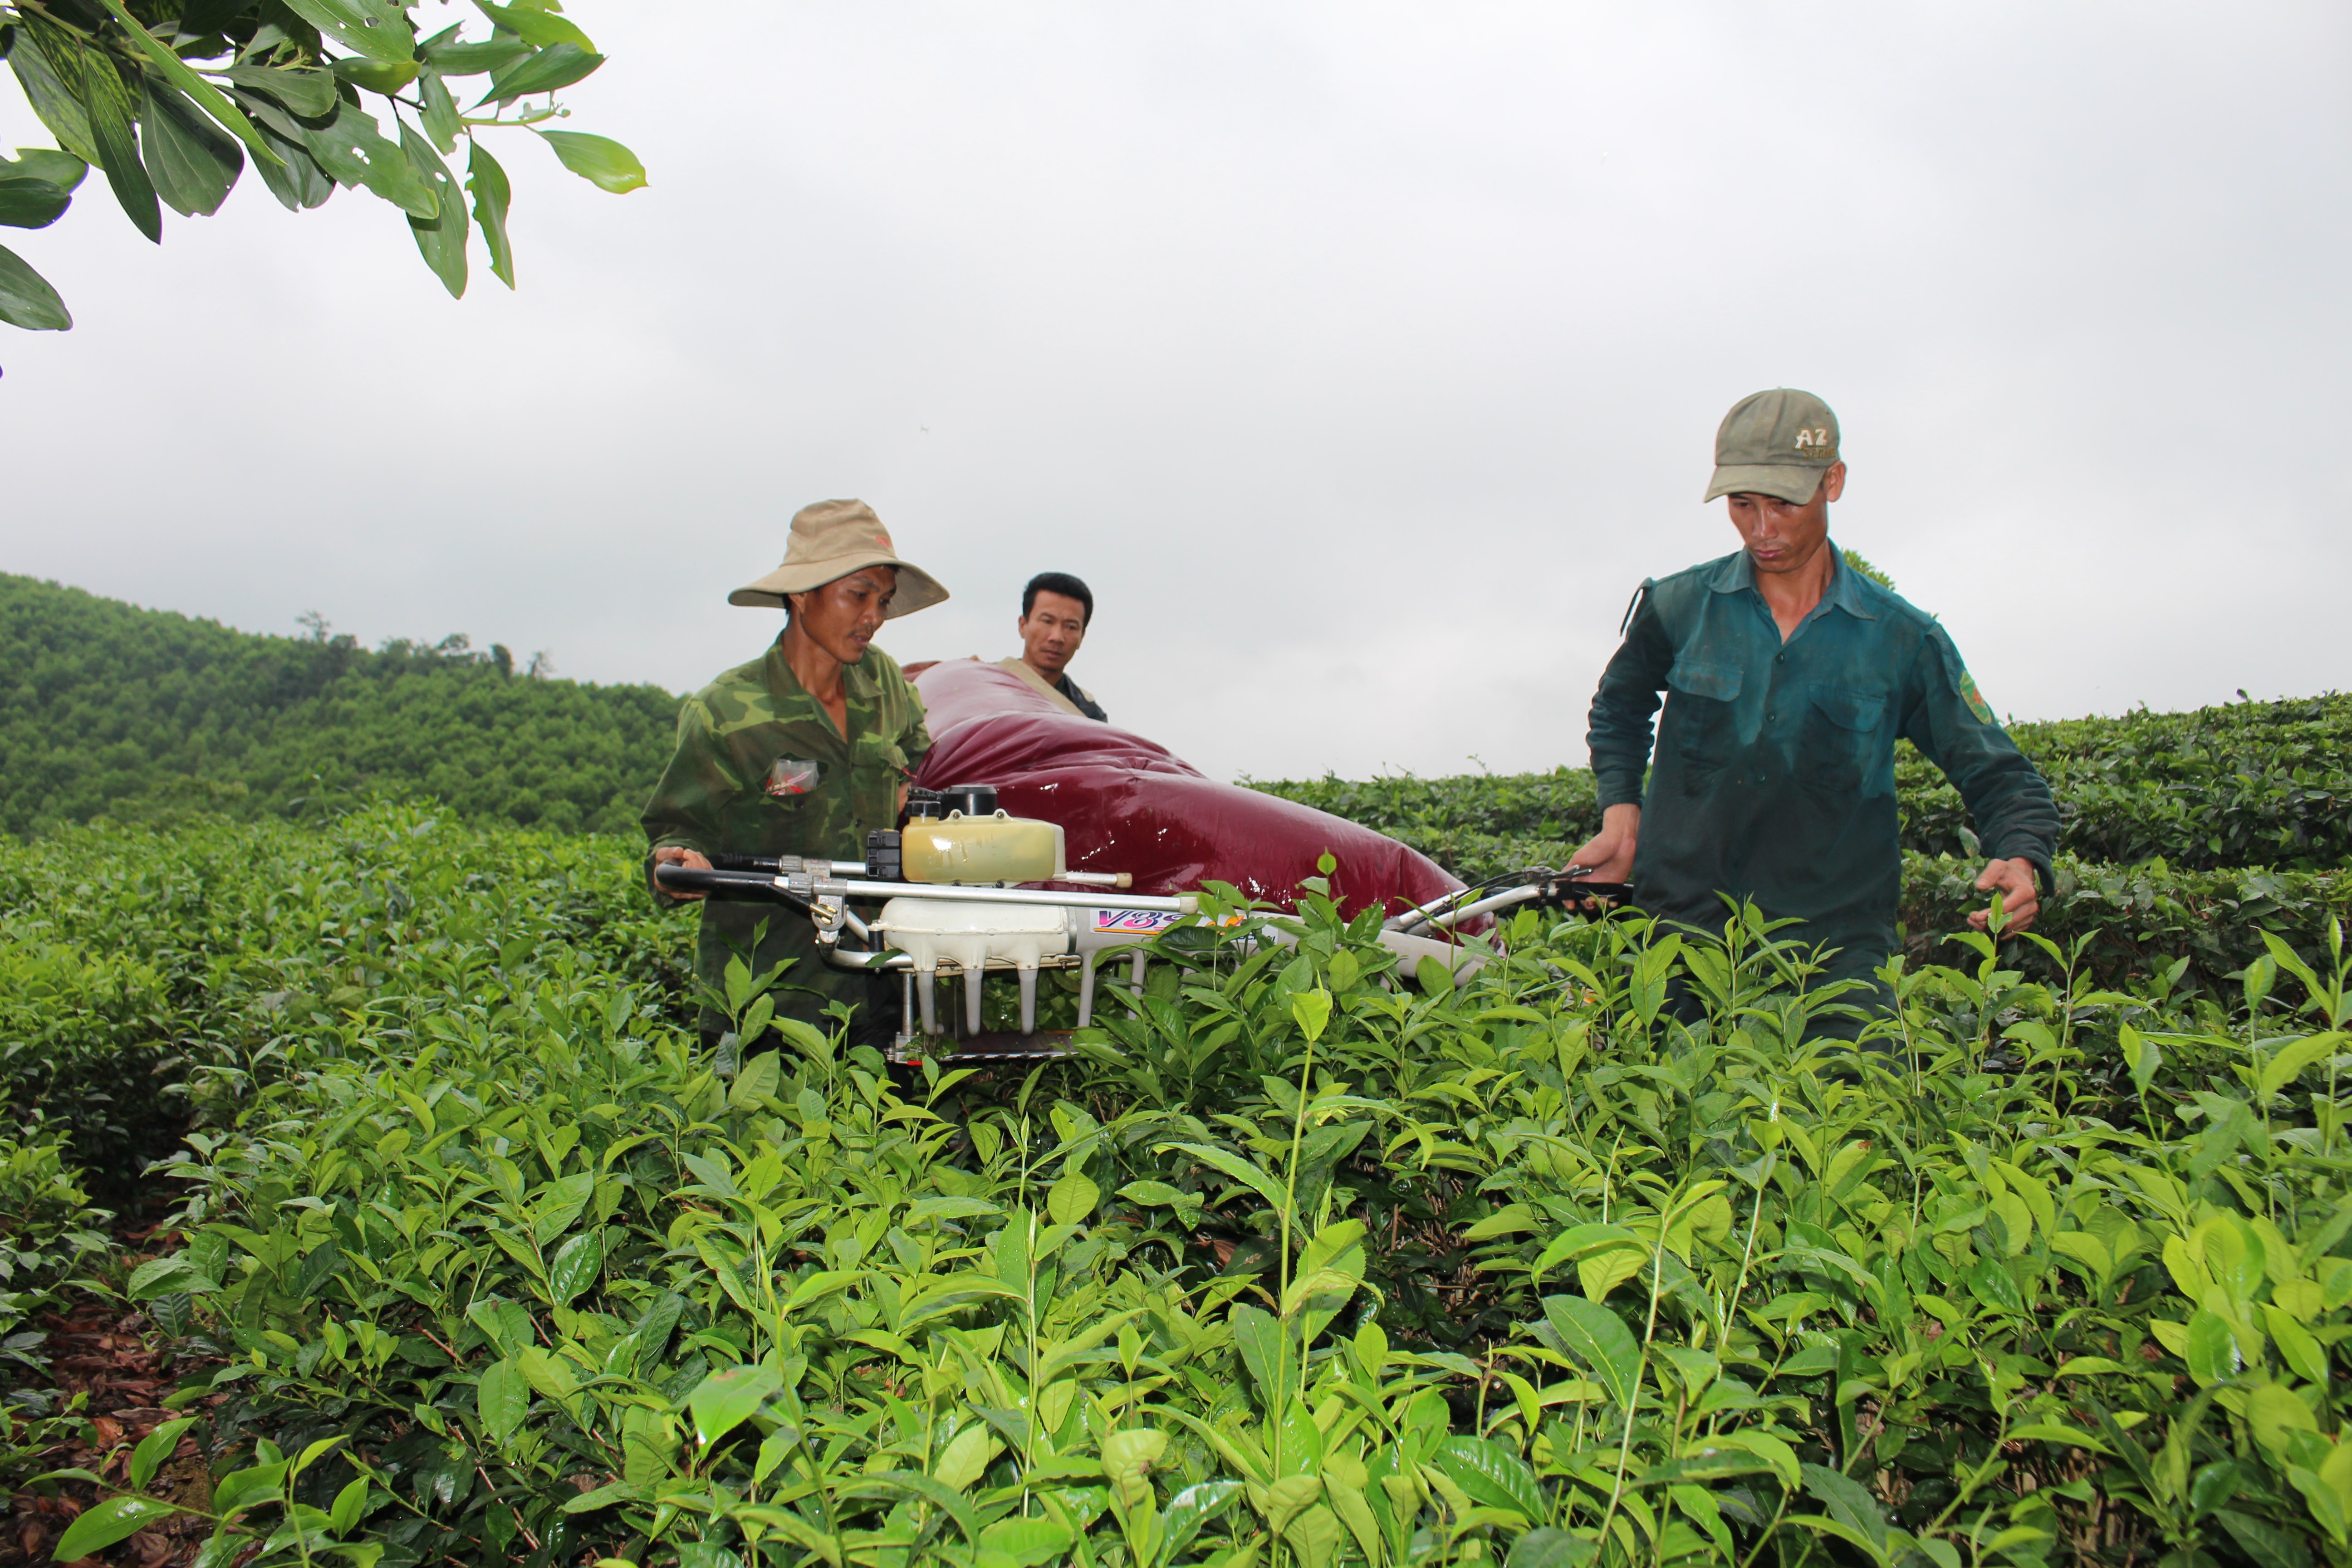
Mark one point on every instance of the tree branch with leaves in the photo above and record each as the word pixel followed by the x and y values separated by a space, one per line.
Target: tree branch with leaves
pixel 170 98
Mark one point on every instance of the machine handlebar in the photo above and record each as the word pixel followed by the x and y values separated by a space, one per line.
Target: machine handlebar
pixel 728 883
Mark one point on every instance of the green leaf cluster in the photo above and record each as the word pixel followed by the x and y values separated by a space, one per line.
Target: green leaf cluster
pixel 168 99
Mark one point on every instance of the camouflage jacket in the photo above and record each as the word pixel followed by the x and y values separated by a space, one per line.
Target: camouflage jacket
pixel 760 770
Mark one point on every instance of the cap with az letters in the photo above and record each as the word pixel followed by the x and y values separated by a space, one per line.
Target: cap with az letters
pixel 1774 443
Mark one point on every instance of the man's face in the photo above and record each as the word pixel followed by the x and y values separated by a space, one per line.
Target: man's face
pixel 1052 632
pixel 1783 536
pixel 843 616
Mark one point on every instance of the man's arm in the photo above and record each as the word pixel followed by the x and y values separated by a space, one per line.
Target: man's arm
pixel 1621 737
pixel 682 819
pixel 2015 814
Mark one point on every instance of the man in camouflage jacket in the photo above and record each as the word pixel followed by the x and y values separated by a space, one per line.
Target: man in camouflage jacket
pixel 760 768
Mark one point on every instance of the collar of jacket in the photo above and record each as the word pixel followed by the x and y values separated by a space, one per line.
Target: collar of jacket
pixel 1736 572
pixel 856 681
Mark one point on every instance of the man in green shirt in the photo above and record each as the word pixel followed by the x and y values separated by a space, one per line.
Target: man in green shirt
pixel 1789 678
pixel 802 751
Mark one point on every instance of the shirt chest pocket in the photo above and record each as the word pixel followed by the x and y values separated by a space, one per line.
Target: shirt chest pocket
pixel 1841 744
pixel 1702 725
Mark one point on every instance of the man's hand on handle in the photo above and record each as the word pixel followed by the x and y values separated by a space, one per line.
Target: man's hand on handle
pixel 1610 854
pixel 692 859
pixel 2020 897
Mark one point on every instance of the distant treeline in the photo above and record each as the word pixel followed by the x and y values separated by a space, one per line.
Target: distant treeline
pixel 108 708
pixel 142 714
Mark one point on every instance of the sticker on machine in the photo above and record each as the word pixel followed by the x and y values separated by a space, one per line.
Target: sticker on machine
pixel 1133 922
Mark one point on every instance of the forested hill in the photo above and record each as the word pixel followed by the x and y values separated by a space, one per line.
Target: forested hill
pixel 105 706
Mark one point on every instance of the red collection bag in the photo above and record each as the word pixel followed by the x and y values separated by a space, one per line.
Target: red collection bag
pixel 1125 804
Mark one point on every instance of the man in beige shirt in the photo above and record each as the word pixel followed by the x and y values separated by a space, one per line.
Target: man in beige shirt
pixel 1055 610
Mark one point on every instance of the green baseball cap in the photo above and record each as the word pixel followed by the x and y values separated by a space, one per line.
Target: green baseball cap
pixel 1774 443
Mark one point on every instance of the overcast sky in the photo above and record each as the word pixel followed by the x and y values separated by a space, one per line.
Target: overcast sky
pixel 1364 357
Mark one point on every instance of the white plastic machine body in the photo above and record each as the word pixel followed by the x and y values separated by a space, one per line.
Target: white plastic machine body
pixel 976 922
pixel 1025 938
pixel 970 936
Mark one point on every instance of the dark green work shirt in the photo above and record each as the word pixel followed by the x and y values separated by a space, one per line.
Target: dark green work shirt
pixel 1775 771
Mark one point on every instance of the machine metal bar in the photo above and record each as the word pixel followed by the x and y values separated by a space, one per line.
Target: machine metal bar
pixel 1181 904
pixel 897 962
pixel 1503 900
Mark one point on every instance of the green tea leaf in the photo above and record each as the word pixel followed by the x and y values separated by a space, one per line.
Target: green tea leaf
pixel 1493 1475
pixel 2211 1351
pixel 1849 1503
pixel 1072 1200
pixel 1312 1012
pixel 351 1507
pixel 2265 1544
pixel 1190 1512
pixel 155 1449
pixel 1028 1543
pixel 755 1083
pixel 174 1275
pixel 1234 1165
pixel 248 1487
pixel 2289 1062
pixel 966 1457
pixel 502 1398
pixel 1549 1548
pixel 729 1398
pixel 577 1264
pixel 1598 1337
pixel 1257 1334
pixel 114 1519
pixel 1510 1220
pixel 548 1372
pixel 2057 1431
pixel 1992 1283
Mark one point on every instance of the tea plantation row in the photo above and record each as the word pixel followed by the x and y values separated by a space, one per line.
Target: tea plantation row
pixel 2265 785
pixel 1303 1262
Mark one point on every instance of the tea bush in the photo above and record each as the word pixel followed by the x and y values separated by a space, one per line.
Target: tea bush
pixel 2249 784
pixel 1597 1256
pixel 126 953
pixel 48 1226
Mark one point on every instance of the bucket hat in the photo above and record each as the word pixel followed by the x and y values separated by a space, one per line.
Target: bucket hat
pixel 1776 443
pixel 830 539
